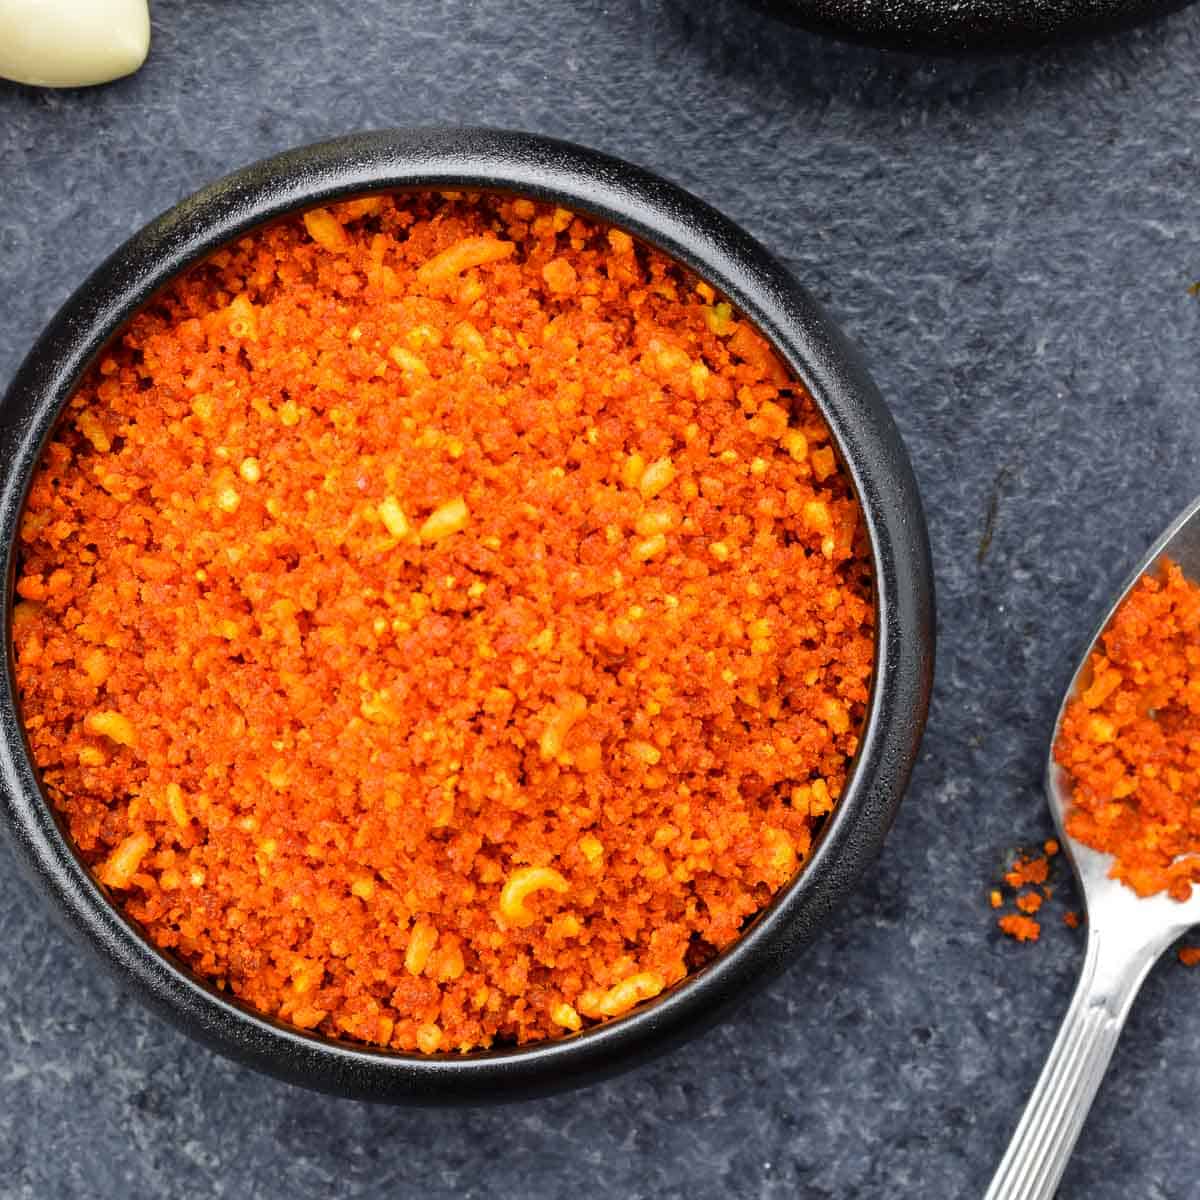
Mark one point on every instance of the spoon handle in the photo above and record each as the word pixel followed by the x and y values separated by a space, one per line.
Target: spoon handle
pixel 1113 970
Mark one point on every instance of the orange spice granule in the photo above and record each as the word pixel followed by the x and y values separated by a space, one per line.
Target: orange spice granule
pixel 1189 955
pixel 443 621
pixel 1071 919
pixel 1022 928
pixel 1029 872
pixel 1130 741
pixel 1026 871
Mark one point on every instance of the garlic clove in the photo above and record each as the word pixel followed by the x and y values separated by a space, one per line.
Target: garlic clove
pixel 72 43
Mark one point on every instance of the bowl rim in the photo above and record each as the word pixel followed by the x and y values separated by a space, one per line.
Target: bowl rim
pixel 695 234
pixel 972 27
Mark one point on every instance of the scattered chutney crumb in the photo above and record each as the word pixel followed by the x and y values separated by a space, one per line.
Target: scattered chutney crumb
pixel 443 621
pixel 1189 955
pixel 1130 741
pixel 1022 928
pixel 1071 919
pixel 995 898
pixel 1028 873
pixel 1028 870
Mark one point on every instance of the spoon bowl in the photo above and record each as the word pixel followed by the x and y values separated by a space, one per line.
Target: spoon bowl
pixel 1179 542
pixel 1126 935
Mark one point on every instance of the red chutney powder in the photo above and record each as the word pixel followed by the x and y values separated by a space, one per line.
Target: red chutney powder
pixel 1022 928
pixel 1027 874
pixel 1130 741
pixel 443 621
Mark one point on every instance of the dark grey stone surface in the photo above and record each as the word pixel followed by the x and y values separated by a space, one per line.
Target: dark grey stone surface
pixel 1011 240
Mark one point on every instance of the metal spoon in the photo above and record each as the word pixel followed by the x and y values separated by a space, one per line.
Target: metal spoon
pixel 1126 935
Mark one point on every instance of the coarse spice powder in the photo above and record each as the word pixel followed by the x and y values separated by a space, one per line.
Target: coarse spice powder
pixel 1129 743
pixel 443 621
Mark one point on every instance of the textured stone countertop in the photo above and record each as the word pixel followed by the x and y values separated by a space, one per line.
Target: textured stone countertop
pixel 1011 241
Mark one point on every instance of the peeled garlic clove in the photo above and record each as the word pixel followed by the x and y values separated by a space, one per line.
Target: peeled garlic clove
pixel 72 43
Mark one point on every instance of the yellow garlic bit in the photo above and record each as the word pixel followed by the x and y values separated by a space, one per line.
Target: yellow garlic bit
pixel 429 1038
pixel 112 725
pixel 173 795
pixel 420 945
pixel 654 521
pixel 406 360
pixel 560 718
pixel 523 882
pixel 621 997
pixel 591 847
pixel 645 751
pixel 439 272
pixel 658 476
pixel 393 518
pixel 650 547
pixel 325 229
pixel 448 519
pixel 121 866
pixel 566 1015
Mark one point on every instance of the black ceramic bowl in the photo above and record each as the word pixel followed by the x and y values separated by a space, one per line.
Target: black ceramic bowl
pixel 978 26
pixel 693 233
